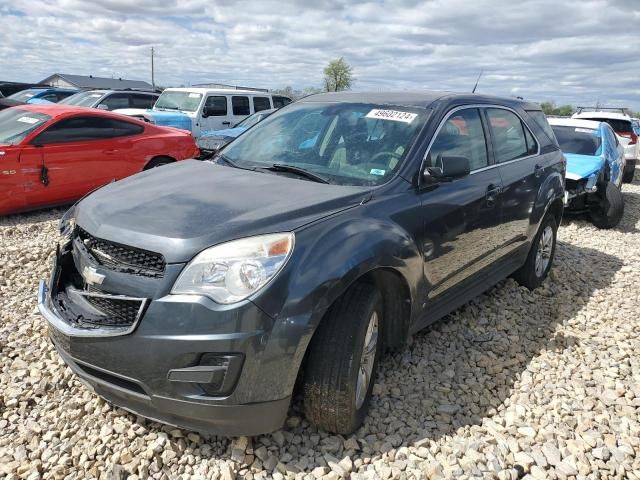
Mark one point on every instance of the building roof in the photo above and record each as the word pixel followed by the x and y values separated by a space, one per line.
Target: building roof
pixel 91 82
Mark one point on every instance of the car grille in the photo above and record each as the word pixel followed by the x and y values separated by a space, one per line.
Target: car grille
pixel 118 312
pixel 121 257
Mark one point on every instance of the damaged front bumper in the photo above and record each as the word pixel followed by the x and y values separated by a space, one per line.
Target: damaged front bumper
pixel 184 361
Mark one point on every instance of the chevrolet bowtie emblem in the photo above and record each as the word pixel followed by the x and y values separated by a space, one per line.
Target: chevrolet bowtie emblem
pixel 91 276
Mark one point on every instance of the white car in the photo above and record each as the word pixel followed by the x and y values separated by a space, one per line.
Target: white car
pixel 622 125
pixel 203 109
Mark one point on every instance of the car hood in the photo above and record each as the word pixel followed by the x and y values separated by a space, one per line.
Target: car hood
pixel 227 132
pixel 180 209
pixel 170 119
pixel 582 166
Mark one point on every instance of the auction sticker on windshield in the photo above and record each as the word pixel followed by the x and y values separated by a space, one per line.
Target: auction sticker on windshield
pixel 395 115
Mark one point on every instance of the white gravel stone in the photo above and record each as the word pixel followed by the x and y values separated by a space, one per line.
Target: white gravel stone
pixel 547 382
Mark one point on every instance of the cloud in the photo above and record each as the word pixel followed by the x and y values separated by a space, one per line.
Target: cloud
pixel 576 51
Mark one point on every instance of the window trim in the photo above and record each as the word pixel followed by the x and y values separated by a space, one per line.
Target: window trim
pixel 85 115
pixel 482 107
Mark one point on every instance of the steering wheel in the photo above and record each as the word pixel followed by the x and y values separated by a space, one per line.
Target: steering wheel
pixel 384 152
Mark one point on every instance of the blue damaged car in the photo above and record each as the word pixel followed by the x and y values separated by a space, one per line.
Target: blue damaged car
pixel 213 140
pixel 595 166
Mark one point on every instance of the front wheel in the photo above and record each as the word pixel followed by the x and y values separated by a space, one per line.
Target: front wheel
pixel 541 254
pixel 608 211
pixel 341 365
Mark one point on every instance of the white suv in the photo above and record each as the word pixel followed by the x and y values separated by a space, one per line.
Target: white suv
pixel 622 124
pixel 203 109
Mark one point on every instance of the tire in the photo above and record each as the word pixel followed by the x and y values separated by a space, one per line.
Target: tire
pixel 336 395
pixel 158 162
pixel 627 175
pixel 608 212
pixel 540 258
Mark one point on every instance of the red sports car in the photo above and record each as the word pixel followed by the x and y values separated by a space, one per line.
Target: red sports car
pixel 53 155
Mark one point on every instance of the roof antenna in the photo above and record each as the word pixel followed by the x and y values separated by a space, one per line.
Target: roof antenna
pixel 477 80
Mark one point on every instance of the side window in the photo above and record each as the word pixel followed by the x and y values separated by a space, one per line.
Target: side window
pixel 240 105
pixel 462 135
pixel 279 102
pixel 117 100
pixel 216 106
pixel 139 100
pixel 261 103
pixel 509 137
pixel 82 129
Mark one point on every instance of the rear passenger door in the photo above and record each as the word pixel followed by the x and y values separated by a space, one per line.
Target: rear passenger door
pixel 515 151
pixel 240 108
pixel 461 216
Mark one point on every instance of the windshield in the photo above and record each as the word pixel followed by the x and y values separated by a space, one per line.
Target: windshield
pixel 16 124
pixel 84 99
pixel 582 141
pixel 24 95
pixel 251 120
pixel 172 100
pixel 346 143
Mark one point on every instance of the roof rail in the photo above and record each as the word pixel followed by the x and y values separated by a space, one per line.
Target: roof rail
pixel 229 87
pixel 623 110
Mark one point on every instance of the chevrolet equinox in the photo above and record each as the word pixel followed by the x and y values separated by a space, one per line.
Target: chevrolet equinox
pixel 201 293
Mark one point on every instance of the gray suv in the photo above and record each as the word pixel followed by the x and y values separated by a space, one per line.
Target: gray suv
pixel 199 294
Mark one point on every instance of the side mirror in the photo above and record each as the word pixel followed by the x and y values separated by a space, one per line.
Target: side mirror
pixel 448 168
pixel 102 106
pixel 206 112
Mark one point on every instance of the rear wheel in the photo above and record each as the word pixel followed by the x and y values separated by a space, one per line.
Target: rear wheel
pixel 627 176
pixel 608 211
pixel 341 365
pixel 541 254
pixel 158 162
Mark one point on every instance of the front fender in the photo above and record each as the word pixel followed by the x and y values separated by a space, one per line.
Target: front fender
pixel 328 258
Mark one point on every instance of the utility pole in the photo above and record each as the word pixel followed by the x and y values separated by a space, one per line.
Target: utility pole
pixel 153 79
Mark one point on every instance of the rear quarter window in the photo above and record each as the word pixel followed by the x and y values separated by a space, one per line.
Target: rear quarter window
pixel 540 120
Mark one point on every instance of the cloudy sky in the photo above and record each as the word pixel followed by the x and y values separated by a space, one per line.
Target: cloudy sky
pixel 570 51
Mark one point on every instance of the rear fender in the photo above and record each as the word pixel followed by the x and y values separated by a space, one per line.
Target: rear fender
pixel 551 190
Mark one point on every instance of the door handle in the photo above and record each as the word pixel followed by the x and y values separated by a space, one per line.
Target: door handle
pixel 538 170
pixel 226 123
pixel 492 192
pixel 110 152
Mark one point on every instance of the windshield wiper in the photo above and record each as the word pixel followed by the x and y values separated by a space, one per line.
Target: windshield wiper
pixel 231 163
pixel 283 167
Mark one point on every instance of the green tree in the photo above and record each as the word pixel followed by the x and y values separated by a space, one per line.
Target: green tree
pixel 338 76
pixel 565 110
pixel 548 107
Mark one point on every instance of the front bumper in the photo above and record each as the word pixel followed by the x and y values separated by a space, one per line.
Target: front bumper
pixel 162 371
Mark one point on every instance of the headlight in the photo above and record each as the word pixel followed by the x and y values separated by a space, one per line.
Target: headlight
pixel 68 224
pixel 232 271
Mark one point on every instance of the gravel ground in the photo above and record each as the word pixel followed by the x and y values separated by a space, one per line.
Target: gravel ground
pixel 515 384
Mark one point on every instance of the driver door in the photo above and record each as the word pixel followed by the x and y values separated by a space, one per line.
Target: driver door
pixel 461 216
pixel 67 160
pixel 217 111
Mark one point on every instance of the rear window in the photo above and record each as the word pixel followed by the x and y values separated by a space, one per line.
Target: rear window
pixel 618 125
pixel 582 141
